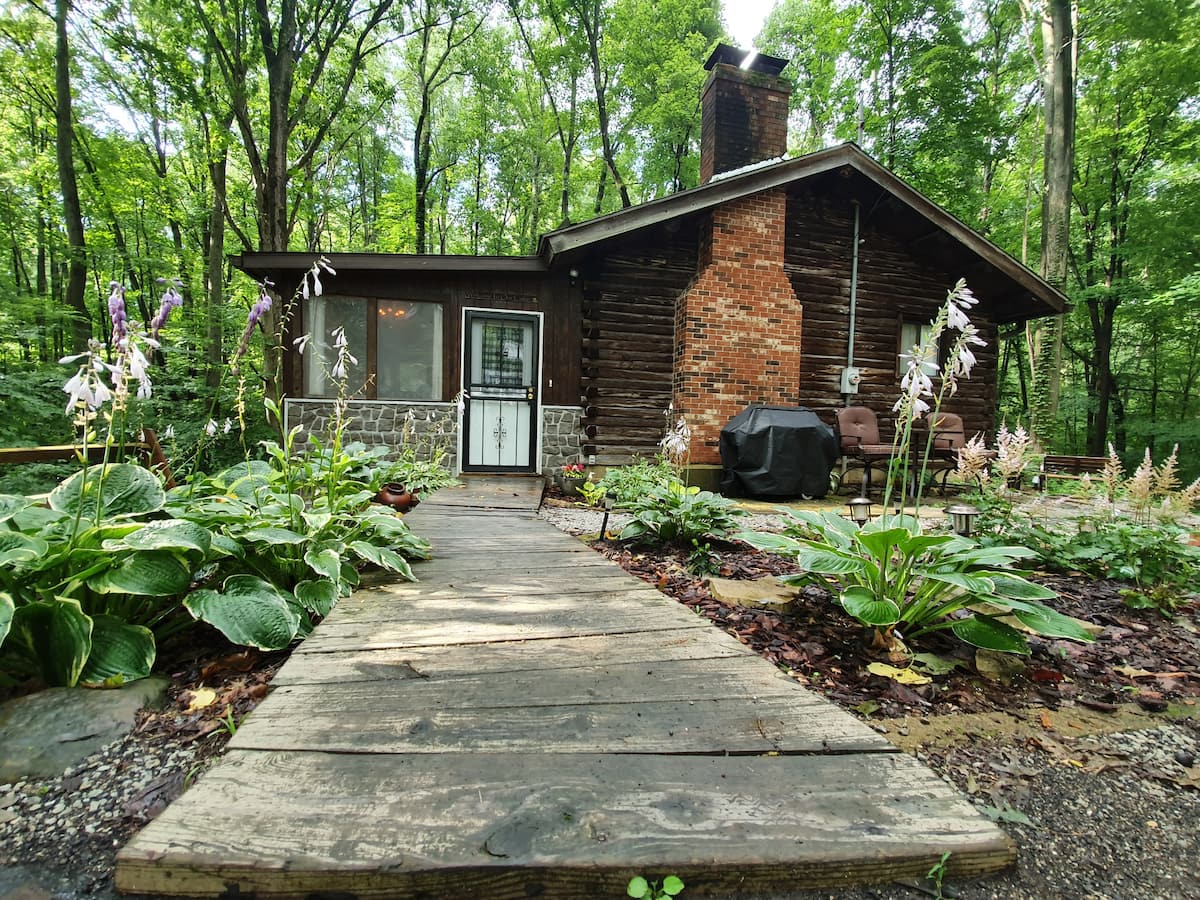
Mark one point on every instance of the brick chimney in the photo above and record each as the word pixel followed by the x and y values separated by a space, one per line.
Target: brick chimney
pixel 737 326
pixel 743 111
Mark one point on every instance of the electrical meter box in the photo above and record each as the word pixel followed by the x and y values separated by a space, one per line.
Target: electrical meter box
pixel 851 375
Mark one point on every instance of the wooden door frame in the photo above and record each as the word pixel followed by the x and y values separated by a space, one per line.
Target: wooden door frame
pixel 464 358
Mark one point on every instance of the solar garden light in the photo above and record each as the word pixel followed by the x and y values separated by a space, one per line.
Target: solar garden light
pixel 860 510
pixel 608 507
pixel 962 518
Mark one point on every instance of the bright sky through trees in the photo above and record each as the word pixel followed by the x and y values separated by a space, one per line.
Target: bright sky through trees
pixel 745 19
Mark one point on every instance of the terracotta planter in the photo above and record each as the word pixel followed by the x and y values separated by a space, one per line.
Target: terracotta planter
pixel 397 496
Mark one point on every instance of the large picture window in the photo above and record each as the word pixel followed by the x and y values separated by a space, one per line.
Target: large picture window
pixel 398 344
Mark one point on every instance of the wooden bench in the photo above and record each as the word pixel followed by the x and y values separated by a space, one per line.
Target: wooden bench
pixel 149 450
pixel 1070 467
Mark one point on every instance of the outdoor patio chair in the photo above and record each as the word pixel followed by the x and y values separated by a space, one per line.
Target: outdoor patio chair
pixel 949 436
pixel 858 439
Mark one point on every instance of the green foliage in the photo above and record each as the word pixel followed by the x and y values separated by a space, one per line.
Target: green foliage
pixel 593 492
pixel 628 484
pixel 1153 556
pixel 702 560
pixel 677 514
pixel 640 889
pixel 892 577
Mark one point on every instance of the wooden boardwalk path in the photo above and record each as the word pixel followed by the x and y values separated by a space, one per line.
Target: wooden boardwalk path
pixel 529 720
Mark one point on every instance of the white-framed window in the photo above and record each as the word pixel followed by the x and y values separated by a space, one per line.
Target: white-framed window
pixel 398 345
pixel 912 333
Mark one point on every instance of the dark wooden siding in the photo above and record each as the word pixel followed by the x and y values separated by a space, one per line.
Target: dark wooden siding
pixel 893 284
pixel 548 293
pixel 628 341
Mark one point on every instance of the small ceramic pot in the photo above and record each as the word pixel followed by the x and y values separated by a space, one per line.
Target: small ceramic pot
pixel 397 496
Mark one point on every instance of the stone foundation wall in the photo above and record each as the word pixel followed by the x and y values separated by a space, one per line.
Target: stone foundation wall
pixel 430 425
pixel 562 437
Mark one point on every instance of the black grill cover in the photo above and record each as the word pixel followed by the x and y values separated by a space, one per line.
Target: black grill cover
pixel 778 452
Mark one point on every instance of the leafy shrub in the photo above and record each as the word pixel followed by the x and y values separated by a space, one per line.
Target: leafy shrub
pixel 677 514
pixel 629 484
pixel 1150 555
pixel 903 584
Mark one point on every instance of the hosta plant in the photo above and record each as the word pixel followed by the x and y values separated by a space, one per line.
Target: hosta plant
pixel 91 580
pixel 678 514
pixel 902 583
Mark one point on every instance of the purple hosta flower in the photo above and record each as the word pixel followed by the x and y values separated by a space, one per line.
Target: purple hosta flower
pixel 257 311
pixel 116 311
pixel 170 299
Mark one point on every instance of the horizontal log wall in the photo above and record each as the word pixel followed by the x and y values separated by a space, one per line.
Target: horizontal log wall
pixel 628 331
pixel 893 284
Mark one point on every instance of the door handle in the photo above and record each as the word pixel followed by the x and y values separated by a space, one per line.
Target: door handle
pixel 528 393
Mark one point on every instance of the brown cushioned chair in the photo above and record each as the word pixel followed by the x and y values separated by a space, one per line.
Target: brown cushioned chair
pixel 858 437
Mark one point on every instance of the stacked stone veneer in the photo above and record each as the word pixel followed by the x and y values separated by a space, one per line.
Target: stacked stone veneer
pixel 425 425
pixel 562 437
pixel 433 425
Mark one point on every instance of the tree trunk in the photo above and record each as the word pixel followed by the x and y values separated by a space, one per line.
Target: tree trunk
pixel 81 325
pixel 214 326
pixel 1058 144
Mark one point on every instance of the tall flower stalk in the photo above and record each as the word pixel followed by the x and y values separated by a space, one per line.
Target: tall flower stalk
pixel 917 388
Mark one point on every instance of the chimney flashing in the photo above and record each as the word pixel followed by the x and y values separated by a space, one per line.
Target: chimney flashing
pixel 750 60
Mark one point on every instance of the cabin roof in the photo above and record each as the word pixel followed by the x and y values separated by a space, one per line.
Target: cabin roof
pixel 1018 292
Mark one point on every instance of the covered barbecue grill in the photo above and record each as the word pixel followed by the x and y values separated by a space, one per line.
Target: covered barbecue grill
pixel 777 451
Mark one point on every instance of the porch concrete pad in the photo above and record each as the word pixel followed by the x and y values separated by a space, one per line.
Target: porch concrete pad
pixel 544 729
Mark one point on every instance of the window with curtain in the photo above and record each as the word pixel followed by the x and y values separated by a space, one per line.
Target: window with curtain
pixel 405 337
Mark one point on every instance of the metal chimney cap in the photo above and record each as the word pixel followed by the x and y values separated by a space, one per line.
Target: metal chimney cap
pixel 758 62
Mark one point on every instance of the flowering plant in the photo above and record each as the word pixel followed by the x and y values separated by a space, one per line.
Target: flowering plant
pixel 573 470
pixel 902 583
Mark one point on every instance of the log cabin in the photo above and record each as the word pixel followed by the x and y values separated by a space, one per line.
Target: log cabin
pixel 779 281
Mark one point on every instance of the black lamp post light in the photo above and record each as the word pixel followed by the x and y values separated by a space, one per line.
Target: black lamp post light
pixel 860 510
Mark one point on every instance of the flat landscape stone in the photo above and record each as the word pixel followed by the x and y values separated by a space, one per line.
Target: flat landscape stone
pixel 44 734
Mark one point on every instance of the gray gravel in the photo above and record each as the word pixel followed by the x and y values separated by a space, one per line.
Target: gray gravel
pixel 59 836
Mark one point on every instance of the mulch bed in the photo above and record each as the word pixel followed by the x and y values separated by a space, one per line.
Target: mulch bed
pixel 1138 656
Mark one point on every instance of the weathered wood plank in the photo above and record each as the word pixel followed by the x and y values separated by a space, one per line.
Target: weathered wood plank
pixel 480 586
pixel 384 635
pixel 392 602
pixel 399 664
pixel 503 564
pixel 611 681
pixel 799 723
pixel 517 825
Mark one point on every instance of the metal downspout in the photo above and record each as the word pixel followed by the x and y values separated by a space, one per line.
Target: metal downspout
pixel 853 293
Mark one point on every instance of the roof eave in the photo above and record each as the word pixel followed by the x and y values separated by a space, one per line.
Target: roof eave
pixel 261 264
pixel 567 242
